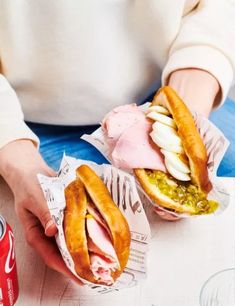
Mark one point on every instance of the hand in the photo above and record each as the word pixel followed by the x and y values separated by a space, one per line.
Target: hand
pixel 20 163
pixel 198 88
pixel 166 215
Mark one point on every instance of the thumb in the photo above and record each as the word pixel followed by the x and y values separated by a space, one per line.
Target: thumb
pixel 47 222
pixel 50 228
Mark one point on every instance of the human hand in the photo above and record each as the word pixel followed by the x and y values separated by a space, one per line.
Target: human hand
pixel 198 88
pixel 166 215
pixel 20 163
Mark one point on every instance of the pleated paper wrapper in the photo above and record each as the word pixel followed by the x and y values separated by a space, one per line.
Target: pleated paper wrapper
pixel 216 145
pixel 124 193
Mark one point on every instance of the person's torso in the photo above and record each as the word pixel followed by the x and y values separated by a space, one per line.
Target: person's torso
pixel 72 61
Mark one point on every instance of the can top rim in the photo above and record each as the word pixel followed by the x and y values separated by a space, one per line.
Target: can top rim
pixel 2 227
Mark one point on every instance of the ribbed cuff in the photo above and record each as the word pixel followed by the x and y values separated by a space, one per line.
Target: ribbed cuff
pixel 205 58
pixel 15 131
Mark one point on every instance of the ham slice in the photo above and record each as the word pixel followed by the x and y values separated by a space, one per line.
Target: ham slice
pixel 103 257
pixel 101 269
pixel 118 121
pixel 98 217
pixel 130 146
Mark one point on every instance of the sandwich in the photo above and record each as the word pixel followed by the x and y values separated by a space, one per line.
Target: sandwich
pixel 96 233
pixel 164 149
pixel 184 186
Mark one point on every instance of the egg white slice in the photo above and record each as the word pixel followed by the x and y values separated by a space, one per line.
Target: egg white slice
pixel 173 159
pixel 162 118
pixel 166 144
pixel 159 109
pixel 175 173
pixel 166 132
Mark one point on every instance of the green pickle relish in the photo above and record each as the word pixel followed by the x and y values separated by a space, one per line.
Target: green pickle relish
pixel 184 193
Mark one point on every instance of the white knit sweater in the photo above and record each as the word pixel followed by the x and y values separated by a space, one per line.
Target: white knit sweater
pixel 69 62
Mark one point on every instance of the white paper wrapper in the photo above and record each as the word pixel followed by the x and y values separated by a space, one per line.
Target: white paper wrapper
pixel 216 145
pixel 124 193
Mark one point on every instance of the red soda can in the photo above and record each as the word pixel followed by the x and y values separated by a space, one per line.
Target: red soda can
pixel 9 289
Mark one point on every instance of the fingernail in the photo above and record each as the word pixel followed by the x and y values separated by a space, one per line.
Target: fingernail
pixel 48 225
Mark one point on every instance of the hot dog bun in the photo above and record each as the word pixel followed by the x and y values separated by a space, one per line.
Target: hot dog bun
pixel 158 197
pixel 89 186
pixel 74 228
pixel 188 132
pixel 195 151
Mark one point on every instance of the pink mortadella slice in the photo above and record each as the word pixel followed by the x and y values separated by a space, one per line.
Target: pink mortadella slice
pixel 130 146
pixel 103 257
pixel 118 120
pixel 102 268
pixel 134 149
pixel 98 217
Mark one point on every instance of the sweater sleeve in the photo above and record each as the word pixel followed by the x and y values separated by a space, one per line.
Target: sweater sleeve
pixel 12 125
pixel 206 40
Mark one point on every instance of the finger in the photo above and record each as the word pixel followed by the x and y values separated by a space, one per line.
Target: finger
pixel 47 222
pixel 50 228
pixel 48 250
pixel 46 247
pixel 38 207
pixel 166 215
pixel 41 211
pixel 27 213
pixel 50 172
pixel 41 208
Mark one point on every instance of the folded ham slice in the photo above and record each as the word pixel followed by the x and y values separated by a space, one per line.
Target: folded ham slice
pixel 103 257
pixel 116 122
pixel 92 210
pixel 101 269
pixel 130 146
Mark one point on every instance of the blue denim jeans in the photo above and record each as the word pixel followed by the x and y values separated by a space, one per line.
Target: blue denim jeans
pixel 224 119
pixel 56 140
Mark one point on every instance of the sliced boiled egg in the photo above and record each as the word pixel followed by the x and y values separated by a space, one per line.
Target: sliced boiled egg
pixel 165 135
pixel 162 118
pixel 174 159
pixel 166 143
pixel 175 173
pixel 159 109
pixel 166 132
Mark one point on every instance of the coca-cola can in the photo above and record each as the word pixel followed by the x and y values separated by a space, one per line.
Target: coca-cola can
pixel 9 289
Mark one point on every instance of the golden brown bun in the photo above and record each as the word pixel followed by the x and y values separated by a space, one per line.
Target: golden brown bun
pixel 116 222
pixel 158 197
pixel 74 221
pixel 74 228
pixel 187 131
